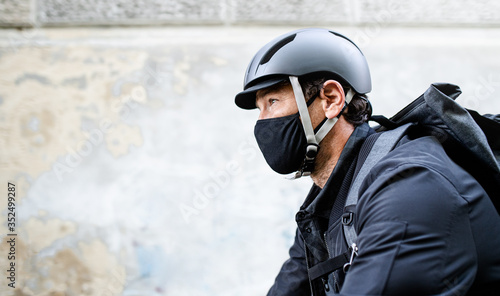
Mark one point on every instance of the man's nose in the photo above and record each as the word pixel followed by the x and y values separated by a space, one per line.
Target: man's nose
pixel 262 115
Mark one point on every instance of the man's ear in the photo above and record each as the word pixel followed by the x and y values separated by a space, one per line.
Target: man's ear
pixel 332 98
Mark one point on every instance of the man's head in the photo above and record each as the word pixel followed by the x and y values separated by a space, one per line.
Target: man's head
pixel 315 65
pixel 304 52
pixel 278 100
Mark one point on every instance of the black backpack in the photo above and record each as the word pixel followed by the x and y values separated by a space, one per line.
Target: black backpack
pixel 470 139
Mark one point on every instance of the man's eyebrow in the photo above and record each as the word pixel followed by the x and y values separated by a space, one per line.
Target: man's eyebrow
pixel 263 92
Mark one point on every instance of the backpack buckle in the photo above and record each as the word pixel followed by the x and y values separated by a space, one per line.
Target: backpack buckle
pixel 347 218
pixel 354 252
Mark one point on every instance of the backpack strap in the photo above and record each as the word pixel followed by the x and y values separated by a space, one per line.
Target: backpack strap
pixel 376 148
pixel 383 145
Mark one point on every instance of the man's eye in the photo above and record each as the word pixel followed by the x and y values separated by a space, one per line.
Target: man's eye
pixel 272 101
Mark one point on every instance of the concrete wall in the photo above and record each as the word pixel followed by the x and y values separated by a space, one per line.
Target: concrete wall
pixel 135 174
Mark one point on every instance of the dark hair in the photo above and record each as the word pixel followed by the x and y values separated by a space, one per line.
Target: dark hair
pixel 358 110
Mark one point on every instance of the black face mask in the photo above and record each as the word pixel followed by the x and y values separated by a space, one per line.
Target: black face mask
pixel 283 142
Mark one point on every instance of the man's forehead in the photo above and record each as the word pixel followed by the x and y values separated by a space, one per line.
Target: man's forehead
pixel 280 87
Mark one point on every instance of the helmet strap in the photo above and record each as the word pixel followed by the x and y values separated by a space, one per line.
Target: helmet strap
pixel 313 139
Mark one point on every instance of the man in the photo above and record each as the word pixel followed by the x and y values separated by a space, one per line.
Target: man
pixel 424 225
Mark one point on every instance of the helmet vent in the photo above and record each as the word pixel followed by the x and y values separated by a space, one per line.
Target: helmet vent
pixel 269 54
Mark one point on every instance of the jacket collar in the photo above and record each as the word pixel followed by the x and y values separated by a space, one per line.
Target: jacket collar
pixel 319 201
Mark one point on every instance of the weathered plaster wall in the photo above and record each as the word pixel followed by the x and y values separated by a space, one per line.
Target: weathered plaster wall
pixel 123 148
pixel 135 173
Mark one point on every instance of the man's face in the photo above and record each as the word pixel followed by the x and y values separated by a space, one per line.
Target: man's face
pixel 280 101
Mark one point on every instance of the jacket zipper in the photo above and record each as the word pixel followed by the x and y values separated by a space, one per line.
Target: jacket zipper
pixel 326 245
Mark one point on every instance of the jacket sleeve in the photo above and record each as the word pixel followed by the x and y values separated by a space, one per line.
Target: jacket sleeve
pixel 414 236
pixel 292 279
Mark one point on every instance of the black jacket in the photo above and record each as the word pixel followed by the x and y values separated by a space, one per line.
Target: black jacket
pixel 425 227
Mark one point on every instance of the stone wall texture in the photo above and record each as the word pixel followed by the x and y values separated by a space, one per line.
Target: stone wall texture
pixel 17 13
pixel 237 12
pixel 135 173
